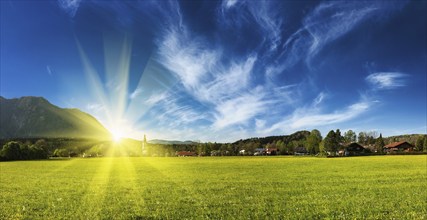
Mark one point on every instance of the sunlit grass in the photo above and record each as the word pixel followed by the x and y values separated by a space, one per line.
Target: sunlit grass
pixel 229 187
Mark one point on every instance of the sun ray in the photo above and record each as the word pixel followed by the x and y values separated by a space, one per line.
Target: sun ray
pixel 92 202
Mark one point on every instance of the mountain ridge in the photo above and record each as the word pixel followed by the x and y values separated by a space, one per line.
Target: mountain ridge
pixel 32 116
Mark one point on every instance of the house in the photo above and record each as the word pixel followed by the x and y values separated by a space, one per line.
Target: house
pixel 354 149
pixel 271 151
pixel 399 146
pixel 185 154
pixel 300 151
pixel 259 151
pixel 266 151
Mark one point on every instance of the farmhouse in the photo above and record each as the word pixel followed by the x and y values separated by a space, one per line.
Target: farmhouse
pixel 354 149
pixel 271 151
pixel 185 154
pixel 300 151
pixel 399 146
pixel 266 151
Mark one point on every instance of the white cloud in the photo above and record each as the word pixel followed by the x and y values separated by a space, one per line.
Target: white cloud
pixel 264 14
pixel 313 117
pixel 319 99
pixel 69 6
pixel 135 93
pixel 225 88
pixel 188 59
pixel 229 3
pixel 238 110
pixel 156 97
pixel 228 83
pixel 386 80
pixel 176 115
pixel 326 23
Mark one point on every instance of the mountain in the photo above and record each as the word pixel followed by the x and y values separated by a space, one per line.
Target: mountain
pixel 297 136
pixel 166 142
pixel 36 117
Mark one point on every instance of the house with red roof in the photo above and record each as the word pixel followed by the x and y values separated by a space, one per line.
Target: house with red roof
pixel 399 146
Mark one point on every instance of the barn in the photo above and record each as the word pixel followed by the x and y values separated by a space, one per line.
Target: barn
pixel 402 146
pixel 354 149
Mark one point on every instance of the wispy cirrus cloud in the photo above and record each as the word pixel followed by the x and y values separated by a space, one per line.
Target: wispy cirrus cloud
pixel 328 22
pixel 69 6
pixel 239 110
pixel 309 117
pixel 263 13
pixel 156 97
pixel 225 86
pixel 228 3
pixel 135 93
pixel 386 80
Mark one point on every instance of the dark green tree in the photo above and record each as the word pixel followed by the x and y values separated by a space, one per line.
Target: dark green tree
pixel 338 137
pixel 425 144
pixel 379 144
pixel 331 143
pixel 11 151
pixel 419 144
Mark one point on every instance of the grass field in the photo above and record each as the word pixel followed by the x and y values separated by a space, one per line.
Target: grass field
pixel 382 187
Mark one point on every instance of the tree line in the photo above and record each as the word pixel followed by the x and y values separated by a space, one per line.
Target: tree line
pixel 306 142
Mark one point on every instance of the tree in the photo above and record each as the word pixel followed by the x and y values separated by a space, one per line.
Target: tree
pixel 425 144
pixel 11 151
pixel 379 144
pixel 349 137
pixel 322 150
pixel 362 138
pixel 61 152
pixel 331 143
pixel 338 137
pixel 419 143
pixel 313 141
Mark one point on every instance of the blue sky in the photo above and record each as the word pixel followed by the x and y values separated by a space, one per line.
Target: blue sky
pixel 222 70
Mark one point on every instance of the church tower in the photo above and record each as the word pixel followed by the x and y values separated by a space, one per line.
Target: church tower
pixel 144 144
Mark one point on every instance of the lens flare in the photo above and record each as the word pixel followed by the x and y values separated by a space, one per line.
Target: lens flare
pixel 122 104
pixel 117 136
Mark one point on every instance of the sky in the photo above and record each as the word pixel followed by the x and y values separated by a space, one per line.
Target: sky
pixel 222 70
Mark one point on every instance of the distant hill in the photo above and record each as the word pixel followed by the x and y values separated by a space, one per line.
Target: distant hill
pixel 35 117
pixel 297 136
pixel 411 138
pixel 166 142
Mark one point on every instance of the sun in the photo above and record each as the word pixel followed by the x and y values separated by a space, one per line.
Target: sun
pixel 117 135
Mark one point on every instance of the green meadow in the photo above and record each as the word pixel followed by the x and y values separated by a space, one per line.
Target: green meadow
pixel 374 187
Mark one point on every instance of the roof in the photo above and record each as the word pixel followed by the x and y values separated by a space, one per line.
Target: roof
pixel 185 153
pixel 396 144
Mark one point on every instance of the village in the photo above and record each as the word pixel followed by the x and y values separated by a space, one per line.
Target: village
pixel 353 149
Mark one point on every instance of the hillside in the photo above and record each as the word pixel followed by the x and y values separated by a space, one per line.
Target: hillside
pixel 36 117
pixel 411 138
pixel 297 136
pixel 166 142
